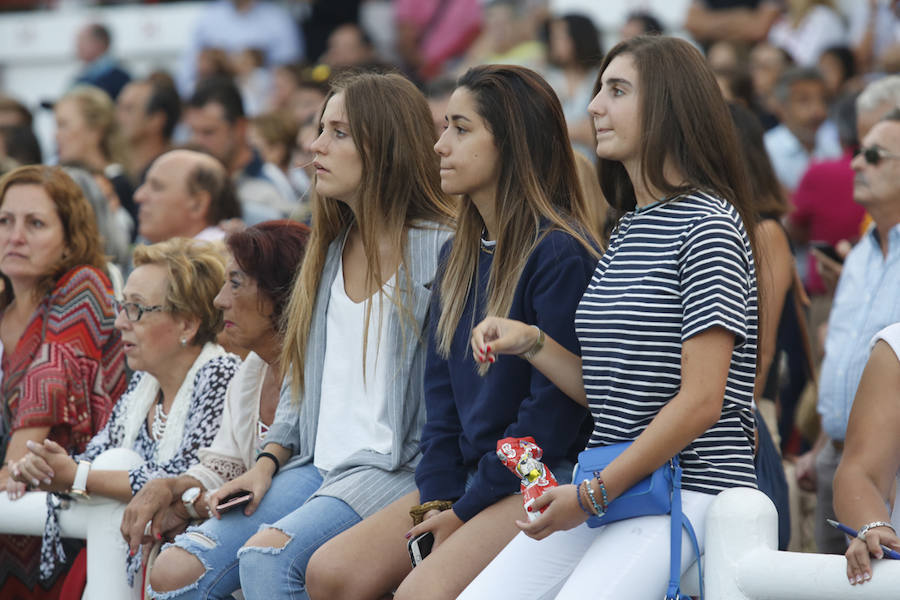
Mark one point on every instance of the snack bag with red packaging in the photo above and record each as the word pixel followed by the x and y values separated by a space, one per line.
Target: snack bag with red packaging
pixel 522 457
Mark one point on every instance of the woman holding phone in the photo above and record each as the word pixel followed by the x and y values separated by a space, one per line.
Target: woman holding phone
pixel 259 272
pixel 667 329
pixel 345 435
pixel 523 248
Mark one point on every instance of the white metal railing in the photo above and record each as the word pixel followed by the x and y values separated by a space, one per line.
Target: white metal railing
pixel 96 520
pixel 742 561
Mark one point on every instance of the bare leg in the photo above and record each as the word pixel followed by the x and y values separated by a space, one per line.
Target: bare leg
pixel 367 561
pixel 456 562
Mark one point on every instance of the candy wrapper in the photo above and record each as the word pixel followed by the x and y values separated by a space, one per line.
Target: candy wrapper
pixel 522 457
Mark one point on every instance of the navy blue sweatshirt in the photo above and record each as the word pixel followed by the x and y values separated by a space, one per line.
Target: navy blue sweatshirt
pixel 467 413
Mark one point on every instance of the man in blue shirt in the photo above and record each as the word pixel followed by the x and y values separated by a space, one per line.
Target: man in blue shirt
pixel 866 300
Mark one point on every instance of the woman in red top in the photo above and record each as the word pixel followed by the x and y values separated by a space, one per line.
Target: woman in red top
pixel 63 367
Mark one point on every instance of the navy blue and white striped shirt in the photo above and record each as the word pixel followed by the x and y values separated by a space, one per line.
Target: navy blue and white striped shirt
pixel 672 270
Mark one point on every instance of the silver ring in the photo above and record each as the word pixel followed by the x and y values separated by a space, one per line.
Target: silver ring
pixel 147 528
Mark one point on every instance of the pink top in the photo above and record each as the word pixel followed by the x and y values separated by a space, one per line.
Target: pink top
pixel 823 202
pixel 449 35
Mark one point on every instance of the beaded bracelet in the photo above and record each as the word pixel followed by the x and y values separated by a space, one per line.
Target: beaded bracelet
pixel 598 510
pixel 578 491
pixel 602 487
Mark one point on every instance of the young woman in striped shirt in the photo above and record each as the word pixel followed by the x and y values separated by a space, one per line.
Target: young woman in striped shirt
pixel 667 329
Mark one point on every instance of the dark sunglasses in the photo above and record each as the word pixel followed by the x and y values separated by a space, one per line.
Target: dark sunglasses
pixel 874 154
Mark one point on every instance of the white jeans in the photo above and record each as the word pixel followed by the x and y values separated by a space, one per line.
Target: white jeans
pixel 622 560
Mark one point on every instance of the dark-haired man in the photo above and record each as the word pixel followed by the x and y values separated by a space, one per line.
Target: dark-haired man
pixel 100 69
pixel 218 125
pixel 803 134
pixel 147 115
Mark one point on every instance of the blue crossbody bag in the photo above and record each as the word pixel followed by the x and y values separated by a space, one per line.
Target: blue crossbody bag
pixel 657 494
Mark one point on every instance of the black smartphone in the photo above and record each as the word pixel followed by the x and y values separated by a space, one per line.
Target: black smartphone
pixel 420 547
pixel 828 250
pixel 236 499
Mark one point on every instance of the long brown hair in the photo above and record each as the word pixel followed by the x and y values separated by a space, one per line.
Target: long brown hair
pixel 765 190
pixel 82 237
pixel 537 190
pixel 684 119
pixel 392 129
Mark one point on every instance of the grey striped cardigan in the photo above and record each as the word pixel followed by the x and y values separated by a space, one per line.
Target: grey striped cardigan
pixel 367 480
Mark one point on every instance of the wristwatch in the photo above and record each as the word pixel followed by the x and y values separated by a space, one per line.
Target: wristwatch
pixel 188 498
pixel 79 484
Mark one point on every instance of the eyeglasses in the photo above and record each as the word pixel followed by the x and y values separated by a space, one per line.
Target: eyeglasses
pixel 134 311
pixel 874 154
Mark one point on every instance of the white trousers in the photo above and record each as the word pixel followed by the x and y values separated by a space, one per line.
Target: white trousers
pixel 622 560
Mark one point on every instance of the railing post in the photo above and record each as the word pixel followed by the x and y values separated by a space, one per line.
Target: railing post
pixel 96 520
pixel 738 522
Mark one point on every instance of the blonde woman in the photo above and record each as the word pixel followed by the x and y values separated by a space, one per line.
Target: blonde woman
pixel 521 250
pixel 345 437
pixel 87 136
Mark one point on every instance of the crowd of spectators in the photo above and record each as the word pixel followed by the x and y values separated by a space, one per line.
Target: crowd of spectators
pixel 233 138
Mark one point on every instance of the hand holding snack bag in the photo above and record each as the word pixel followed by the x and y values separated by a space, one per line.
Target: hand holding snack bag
pixel 522 457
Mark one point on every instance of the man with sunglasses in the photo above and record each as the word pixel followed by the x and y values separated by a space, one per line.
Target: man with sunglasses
pixel 866 300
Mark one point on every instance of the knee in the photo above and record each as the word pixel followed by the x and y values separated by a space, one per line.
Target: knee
pixel 174 569
pixel 325 578
pixel 268 538
pixel 260 557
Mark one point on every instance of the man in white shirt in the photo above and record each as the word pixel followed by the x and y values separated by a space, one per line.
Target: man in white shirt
pixel 186 194
pixel 803 134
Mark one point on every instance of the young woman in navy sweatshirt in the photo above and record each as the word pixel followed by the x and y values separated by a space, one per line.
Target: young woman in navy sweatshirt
pixel 524 249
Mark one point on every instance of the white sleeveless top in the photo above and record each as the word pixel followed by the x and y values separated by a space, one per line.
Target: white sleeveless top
pixel 353 413
pixel 891 335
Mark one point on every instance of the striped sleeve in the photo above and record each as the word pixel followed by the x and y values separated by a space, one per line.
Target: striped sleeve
pixel 715 279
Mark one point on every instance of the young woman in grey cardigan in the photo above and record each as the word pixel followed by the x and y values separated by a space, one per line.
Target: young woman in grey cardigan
pixel 345 438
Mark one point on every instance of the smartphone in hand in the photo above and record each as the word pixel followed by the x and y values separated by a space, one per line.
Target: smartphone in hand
pixel 828 250
pixel 420 546
pixel 230 501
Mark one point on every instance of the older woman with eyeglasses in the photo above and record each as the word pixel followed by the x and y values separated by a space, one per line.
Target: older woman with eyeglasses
pixel 173 405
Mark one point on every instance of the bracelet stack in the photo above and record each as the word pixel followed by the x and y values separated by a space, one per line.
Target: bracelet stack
pixel 594 508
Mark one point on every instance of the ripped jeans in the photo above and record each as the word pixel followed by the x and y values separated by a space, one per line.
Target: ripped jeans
pixel 267 573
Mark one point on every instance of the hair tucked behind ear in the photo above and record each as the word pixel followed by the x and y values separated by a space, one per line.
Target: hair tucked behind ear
pixel 537 186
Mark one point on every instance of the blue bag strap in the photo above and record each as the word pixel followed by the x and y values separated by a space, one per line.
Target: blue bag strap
pixel 679 520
